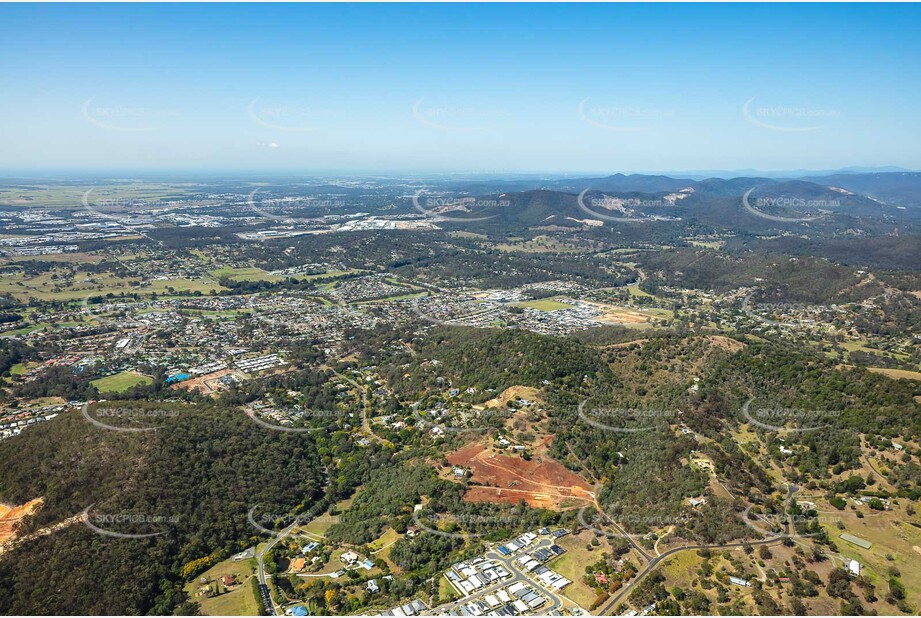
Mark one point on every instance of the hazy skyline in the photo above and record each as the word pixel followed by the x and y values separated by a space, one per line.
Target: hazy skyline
pixel 448 88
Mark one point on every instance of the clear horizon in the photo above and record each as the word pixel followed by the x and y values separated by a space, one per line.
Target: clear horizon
pixel 476 89
pixel 127 174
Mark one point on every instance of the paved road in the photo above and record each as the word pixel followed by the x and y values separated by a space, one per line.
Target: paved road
pixel 517 576
pixel 260 561
pixel 509 563
pixel 267 599
pixel 609 607
pixel 280 536
pixel 606 610
pixel 623 533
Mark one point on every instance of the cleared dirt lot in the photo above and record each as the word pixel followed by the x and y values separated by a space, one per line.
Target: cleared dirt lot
pixel 506 478
pixel 207 384
pixel 525 392
pixel 614 314
pixel 12 515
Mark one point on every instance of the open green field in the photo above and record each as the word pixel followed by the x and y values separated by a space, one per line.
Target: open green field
pixel 682 567
pixel 571 565
pixel 120 382
pixel 897 374
pixel 708 244
pixel 863 345
pixel 17 370
pixel 20 368
pixel 446 591
pixel 323 301
pixel 25 330
pixel 70 258
pixel 544 304
pixel 855 346
pixel 543 244
pixel 681 570
pixel 182 285
pixel 665 314
pixel 891 536
pixel 70 197
pixel 239 601
pixel 390 535
pixel 50 286
pixel 568 567
pixel 634 289
pixel 245 274
pixel 319 525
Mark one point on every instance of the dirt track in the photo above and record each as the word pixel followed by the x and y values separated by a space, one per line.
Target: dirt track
pixel 509 479
pixel 12 515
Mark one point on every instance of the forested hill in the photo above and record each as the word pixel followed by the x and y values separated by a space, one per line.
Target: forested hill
pixel 194 480
pixel 494 359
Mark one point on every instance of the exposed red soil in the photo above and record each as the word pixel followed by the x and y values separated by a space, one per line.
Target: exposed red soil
pixel 10 516
pixel 509 479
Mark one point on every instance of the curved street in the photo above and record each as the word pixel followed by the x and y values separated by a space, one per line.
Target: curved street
pixel 652 564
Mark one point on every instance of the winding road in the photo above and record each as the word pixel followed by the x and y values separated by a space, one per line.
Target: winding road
pixel 276 538
pixel 652 564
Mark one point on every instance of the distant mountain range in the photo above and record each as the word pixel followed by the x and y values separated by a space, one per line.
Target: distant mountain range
pixel 873 202
pixel 884 186
pixel 801 173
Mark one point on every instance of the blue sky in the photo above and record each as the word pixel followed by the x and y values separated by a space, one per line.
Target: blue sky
pixel 459 88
